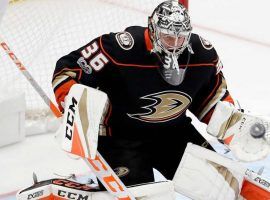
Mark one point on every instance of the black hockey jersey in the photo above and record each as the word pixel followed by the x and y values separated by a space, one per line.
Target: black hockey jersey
pixel 142 103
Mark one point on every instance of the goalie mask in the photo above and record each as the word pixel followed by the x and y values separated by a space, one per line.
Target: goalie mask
pixel 170 31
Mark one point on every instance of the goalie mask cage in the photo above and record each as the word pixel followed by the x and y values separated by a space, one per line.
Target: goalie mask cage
pixel 39 32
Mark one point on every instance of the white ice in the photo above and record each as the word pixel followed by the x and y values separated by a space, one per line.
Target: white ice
pixel 239 30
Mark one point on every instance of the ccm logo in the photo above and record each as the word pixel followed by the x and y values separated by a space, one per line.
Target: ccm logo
pixel 70 118
pixel 70 184
pixel 262 181
pixel 12 56
pixel 71 195
pixel 35 194
pixel 242 123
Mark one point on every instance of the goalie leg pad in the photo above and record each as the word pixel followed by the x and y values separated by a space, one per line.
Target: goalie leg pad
pixel 65 189
pixel 149 191
pixel 255 187
pixel 204 174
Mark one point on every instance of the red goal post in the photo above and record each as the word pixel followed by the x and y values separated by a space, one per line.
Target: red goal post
pixel 184 2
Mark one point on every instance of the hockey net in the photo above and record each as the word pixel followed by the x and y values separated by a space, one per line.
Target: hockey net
pixel 39 32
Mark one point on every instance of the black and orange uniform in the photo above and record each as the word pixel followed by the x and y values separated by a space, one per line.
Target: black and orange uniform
pixel 146 124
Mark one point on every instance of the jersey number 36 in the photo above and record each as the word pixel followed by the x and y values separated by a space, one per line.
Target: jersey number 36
pixel 96 60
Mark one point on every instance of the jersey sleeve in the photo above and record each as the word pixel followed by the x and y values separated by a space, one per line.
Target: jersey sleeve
pixel 215 87
pixel 212 92
pixel 85 66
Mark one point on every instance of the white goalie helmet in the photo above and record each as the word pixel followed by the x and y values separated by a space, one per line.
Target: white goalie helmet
pixel 170 31
pixel 170 27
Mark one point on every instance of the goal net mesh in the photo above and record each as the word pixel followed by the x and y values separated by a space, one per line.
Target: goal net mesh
pixel 39 32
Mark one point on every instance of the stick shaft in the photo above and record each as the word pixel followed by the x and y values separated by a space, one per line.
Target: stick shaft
pixel 30 78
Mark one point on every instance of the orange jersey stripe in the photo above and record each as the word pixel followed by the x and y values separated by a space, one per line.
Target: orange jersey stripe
pixel 124 64
pixel 200 65
pixel 63 89
pixel 61 92
pixel 148 43
pixel 149 47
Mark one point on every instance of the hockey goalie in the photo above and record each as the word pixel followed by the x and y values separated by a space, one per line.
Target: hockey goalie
pixel 124 97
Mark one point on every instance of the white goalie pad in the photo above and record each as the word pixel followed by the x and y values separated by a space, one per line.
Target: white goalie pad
pixel 247 136
pixel 84 110
pixel 65 189
pixel 204 174
pixel 151 191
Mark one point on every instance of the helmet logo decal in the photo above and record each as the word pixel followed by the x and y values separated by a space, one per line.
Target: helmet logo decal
pixel 167 106
pixel 125 40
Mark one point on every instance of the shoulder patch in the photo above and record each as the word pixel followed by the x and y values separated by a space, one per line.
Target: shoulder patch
pixel 205 43
pixel 125 40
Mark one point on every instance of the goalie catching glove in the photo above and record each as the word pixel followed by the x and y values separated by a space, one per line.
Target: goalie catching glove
pixel 247 136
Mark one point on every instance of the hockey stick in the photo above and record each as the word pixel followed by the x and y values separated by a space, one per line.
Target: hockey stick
pixel 30 78
pixel 98 165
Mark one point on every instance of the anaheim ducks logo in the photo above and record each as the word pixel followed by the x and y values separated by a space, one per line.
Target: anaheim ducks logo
pixel 167 105
pixel 121 171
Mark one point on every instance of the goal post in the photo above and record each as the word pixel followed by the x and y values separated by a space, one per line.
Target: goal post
pixel 184 2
